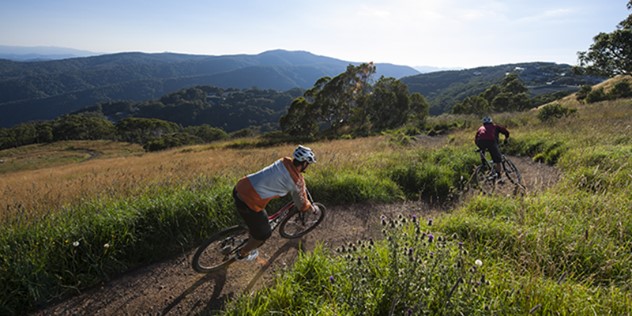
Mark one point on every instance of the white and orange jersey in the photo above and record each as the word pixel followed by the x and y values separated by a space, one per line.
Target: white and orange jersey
pixel 275 180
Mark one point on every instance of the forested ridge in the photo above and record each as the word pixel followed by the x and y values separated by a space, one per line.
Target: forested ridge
pixel 444 89
pixel 44 90
pixel 351 104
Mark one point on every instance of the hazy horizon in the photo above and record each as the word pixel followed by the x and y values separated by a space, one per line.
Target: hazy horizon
pixel 429 33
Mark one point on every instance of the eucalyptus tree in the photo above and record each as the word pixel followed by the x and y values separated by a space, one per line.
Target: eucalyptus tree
pixel 329 105
pixel 388 105
pixel 300 119
pixel 611 53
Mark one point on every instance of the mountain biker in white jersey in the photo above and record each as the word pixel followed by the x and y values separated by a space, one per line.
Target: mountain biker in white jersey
pixel 253 192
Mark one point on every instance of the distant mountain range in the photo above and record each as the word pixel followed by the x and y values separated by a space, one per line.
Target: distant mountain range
pixel 39 53
pixel 42 90
pixel 49 85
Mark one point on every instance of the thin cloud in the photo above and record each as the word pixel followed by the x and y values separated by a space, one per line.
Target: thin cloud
pixel 554 15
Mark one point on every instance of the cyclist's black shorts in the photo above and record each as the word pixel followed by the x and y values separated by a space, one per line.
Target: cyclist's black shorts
pixel 257 222
pixel 492 147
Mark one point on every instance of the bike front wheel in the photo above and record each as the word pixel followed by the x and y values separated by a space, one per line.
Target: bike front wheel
pixel 485 180
pixel 298 223
pixel 219 250
pixel 512 173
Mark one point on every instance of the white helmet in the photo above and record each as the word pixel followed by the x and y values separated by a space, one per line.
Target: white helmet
pixel 302 153
pixel 487 119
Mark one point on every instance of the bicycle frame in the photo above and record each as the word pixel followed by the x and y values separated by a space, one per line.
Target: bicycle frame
pixel 220 249
pixel 484 160
pixel 507 168
pixel 276 218
pixel 489 162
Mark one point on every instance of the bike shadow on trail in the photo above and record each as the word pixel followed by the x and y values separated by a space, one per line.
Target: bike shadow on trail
pixel 218 299
pixel 287 246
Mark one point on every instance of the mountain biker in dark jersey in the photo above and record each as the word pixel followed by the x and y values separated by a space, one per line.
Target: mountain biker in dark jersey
pixel 253 192
pixel 487 137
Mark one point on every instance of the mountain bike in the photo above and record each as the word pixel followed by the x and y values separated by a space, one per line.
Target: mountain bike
pixel 486 179
pixel 220 250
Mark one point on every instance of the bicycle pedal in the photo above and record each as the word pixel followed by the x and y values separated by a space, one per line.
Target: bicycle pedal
pixel 226 250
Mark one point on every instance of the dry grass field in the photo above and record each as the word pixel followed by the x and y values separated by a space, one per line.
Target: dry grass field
pixel 79 171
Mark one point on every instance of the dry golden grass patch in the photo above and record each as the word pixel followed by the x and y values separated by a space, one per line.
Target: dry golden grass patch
pixel 30 193
pixel 38 156
pixel 607 85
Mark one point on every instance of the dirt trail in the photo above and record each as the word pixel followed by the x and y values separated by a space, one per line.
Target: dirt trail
pixel 173 288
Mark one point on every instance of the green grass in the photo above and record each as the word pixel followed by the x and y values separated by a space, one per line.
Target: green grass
pixel 410 271
pixel 566 250
pixel 68 251
pixel 71 250
pixel 62 153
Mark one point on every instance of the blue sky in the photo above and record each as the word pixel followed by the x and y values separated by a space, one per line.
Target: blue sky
pixel 439 33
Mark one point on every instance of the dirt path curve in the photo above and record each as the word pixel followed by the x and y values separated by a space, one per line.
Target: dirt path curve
pixel 173 288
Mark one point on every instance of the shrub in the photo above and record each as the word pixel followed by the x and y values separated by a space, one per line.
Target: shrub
pixel 171 140
pixel 554 110
pixel 596 95
pixel 620 90
pixel 583 92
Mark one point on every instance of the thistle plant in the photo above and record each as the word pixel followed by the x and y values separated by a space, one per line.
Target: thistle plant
pixel 412 271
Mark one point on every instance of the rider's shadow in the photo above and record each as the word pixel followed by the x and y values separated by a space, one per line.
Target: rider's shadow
pixel 216 300
pixel 287 246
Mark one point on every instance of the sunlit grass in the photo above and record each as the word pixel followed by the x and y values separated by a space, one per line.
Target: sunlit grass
pixel 69 226
pixel 31 193
pixel 565 250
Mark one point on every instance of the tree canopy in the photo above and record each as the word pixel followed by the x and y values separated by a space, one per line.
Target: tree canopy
pixel 350 104
pixel 611 53
pixel 509 95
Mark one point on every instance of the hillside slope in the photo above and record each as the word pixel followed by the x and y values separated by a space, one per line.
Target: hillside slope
pixel 46 89
pixel 173 288
pixel 443 89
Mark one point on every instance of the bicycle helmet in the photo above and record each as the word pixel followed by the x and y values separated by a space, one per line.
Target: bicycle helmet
pixel 487 120
pixel 302 153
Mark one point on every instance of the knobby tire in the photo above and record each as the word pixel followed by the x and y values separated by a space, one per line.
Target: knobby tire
pixel 482 177
pixel 219 250
pixel 512 172
pixel 298 223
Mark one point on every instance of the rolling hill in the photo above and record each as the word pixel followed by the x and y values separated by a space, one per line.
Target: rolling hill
pixel 43 90
pixel 445 88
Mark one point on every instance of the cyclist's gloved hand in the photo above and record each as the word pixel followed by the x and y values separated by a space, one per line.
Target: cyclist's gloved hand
pixel 506 141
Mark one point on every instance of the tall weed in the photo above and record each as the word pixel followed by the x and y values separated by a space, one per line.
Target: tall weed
pixel 70 250
pixel 410 272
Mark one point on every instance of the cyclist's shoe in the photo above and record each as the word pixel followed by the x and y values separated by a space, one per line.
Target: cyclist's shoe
pixel 251 256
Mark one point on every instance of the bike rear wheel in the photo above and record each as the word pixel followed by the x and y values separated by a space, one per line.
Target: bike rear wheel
pixel 297 223
pixel 485 181
pixel 219 250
